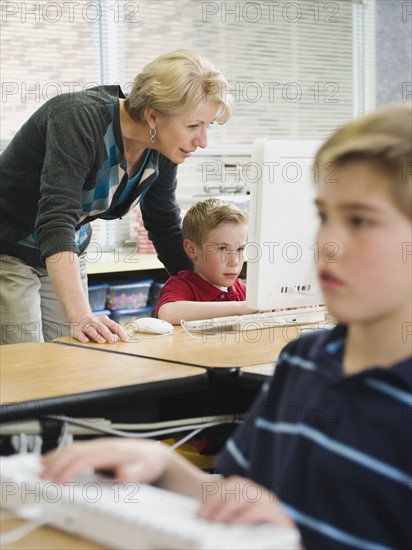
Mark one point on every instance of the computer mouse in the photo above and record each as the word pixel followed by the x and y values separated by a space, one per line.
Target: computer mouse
pixel 151 325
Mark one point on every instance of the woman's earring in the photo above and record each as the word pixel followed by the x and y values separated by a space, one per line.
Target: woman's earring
pixel 153 134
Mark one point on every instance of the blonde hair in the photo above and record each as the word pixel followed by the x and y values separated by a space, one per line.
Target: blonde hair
pixel 384 138
pixel 177 83
pixel 205 216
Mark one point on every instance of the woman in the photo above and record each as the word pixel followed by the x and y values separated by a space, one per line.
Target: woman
pixel 96 154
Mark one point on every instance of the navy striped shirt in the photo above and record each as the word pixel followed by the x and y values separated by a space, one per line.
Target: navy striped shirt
pixel 336 449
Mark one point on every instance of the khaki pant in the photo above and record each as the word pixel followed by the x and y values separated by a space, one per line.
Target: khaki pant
pixel 29 308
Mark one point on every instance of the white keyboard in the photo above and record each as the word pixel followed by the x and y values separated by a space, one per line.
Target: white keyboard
pixel 127 516
pixel 253 321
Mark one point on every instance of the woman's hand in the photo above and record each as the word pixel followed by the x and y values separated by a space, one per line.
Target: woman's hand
pixel 101 329
pixel 142 461
pixel 64 272
pixel 240 500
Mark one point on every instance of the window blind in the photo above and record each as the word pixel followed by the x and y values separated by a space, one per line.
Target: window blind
pixel 47 48
pixel 298 69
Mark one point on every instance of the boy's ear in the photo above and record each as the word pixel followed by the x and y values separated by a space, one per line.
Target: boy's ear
pixel 190 249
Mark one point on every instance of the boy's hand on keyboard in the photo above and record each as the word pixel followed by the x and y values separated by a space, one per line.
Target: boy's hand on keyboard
pixel 144 461
pixel 240 500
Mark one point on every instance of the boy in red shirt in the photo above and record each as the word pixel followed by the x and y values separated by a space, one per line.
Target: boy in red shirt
pixel 215 235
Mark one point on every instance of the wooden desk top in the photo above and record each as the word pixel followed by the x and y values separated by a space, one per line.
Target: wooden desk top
pixel 46 538
pixel 36 371
pixel 222 350
pixel 265 370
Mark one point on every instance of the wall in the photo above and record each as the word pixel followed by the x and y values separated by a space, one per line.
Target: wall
pixel 393 51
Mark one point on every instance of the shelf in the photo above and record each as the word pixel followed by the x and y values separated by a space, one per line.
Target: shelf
pixel 120 262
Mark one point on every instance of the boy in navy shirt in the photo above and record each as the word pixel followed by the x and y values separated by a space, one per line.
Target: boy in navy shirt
pixel 330 434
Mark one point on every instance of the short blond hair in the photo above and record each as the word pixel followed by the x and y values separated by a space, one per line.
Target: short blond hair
pixel 177 83
pixel 205 216
pixel 384 138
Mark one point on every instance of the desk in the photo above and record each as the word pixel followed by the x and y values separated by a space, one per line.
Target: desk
pixel 263 371
pixel 255 375
pixel 223 355
pixel 229 350
pixel 40 377
pixel 46 538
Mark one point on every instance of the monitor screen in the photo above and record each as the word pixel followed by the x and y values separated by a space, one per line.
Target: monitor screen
pixel 282 251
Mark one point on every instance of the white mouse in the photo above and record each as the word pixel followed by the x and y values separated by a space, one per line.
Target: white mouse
pixel 152 325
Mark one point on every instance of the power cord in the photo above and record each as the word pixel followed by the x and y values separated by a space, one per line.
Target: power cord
pixel 155 433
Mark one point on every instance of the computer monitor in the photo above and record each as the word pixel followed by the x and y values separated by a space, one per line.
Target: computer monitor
pixel 282 251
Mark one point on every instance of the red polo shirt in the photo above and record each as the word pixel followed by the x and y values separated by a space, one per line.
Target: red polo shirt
pixel 189 287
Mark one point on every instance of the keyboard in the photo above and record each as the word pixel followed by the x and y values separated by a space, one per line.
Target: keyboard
pixel 127 516
pixel 253 321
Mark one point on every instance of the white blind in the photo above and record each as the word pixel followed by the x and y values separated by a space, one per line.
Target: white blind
pixel 298 69
pixel 47 48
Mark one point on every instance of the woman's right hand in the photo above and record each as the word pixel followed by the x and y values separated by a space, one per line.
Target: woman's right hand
pixel 101 329
pixel 143 461
pixel 64 272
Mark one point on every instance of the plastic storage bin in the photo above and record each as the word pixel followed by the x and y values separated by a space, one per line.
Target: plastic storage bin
pixel 130 296
pixel 155 293
pixel 97 296
pixel 125 316
pixel 103 312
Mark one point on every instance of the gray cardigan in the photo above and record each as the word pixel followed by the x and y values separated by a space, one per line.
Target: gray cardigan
pixel 53 165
